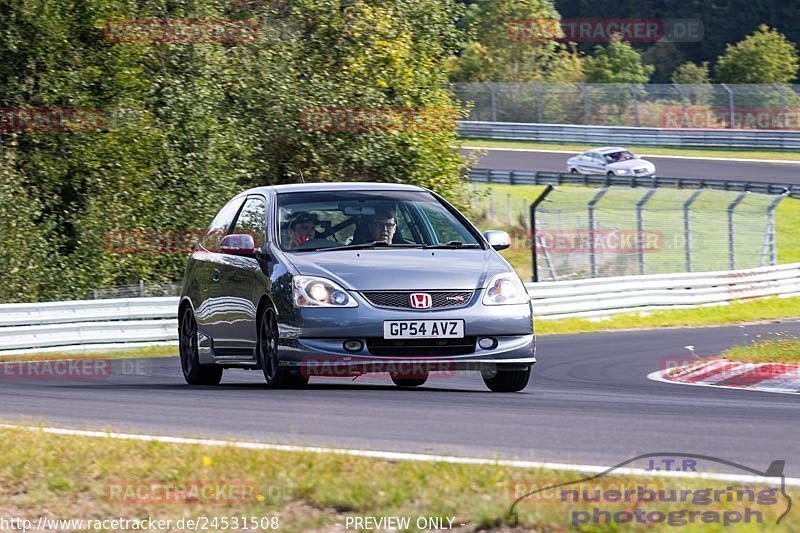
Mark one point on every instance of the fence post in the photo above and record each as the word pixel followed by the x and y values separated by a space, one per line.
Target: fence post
pixel 547 190
pixel 593 227
pixel 771 229
pixel 731 232
pixel 635 105
pixel 493 98
pixel 731 107
pixel 640 226
pixel 586 109
pixel 140 288
pixel 687 227
pixel 539 103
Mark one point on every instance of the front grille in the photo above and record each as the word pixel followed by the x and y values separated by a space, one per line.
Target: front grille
pixel 420 347
pixel 641 171
pixel 402 299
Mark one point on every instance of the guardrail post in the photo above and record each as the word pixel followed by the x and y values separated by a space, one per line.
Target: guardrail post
pixel 640 226
pixel 731 107
pixel 687 227
pixel 547 190
pixel 140 288
pixel 593 227
pixel 731 232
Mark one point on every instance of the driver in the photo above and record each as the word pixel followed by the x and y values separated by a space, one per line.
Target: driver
pixel 382 225
pixel 302 228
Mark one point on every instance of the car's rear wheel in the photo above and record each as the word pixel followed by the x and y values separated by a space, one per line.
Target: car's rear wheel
pixel 503 379
pixel 268 357
pixel 406 380
pixel 193 372
pixel 573 171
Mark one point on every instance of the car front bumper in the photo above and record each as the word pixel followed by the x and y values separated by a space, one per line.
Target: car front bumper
pixel 316 336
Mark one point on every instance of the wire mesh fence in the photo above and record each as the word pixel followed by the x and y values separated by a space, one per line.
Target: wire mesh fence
pixel 620 231
pixel 139 290
pixel 716 106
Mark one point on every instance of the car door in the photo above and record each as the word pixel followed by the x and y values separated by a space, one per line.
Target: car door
pixel 241 277
pixel 587 163
pixel 210 305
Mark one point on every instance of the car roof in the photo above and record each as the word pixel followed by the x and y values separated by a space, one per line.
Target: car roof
pixel 608 150
pixel 334 186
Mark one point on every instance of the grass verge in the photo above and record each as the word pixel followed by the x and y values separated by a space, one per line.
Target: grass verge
pixel 770 351
pixel 734 313
pixel 127 353
pixel 78 477
pixel 715 153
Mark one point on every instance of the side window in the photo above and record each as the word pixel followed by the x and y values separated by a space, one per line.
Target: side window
pixel 220 225
pixel 252 219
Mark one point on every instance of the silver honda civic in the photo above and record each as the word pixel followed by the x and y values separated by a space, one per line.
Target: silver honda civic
pixel 345 279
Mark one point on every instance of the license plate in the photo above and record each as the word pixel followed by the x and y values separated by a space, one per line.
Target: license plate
pixel 423 329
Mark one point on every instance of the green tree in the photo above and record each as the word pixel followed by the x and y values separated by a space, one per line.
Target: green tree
pixel 186 126
pixel 617 62
pixel 691 73
pixel 515 40
pixel 766 56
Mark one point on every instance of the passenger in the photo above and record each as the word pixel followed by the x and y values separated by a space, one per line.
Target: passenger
pixel 302 228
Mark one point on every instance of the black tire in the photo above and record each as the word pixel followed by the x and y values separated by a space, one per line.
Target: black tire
pixel 193 372
pixel 403 380
pixel 277 376
pixel 573 171
pixel 506 380
pixel 609 173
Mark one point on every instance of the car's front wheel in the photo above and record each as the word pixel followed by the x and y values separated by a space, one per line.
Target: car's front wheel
pixel 193 372
pixel 277 376
pixel 501 379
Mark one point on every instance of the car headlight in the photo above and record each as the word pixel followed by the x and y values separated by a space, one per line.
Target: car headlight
pixel 620 172
pixel 310 291
pixel 505 289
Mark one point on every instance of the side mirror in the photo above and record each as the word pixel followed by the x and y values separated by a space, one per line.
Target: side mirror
pixel 238 244
pixel 499 240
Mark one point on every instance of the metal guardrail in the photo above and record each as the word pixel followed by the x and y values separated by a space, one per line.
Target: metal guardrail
pixel 604 135
pixel 140 321
pixel 530 177
pixel 607 296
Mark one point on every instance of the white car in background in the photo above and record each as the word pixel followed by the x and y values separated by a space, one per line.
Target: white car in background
pixel 611 161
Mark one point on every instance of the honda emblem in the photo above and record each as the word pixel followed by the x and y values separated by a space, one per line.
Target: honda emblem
pixel 420 300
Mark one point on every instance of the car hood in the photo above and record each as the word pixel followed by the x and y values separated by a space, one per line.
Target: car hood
pixel 387 269
pixel 630 164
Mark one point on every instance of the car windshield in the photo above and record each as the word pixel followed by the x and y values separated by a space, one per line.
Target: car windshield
pixel 616 157
pixel 331 220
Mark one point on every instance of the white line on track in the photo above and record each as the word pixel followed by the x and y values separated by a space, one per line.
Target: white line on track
pixel 575 152
pixel 401 456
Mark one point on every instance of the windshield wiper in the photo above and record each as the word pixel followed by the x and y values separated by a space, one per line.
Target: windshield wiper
pixel 364 246
pixel 451 244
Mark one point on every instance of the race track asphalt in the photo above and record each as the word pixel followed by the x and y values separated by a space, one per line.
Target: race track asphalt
pixel 589 403
pixel 760 171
